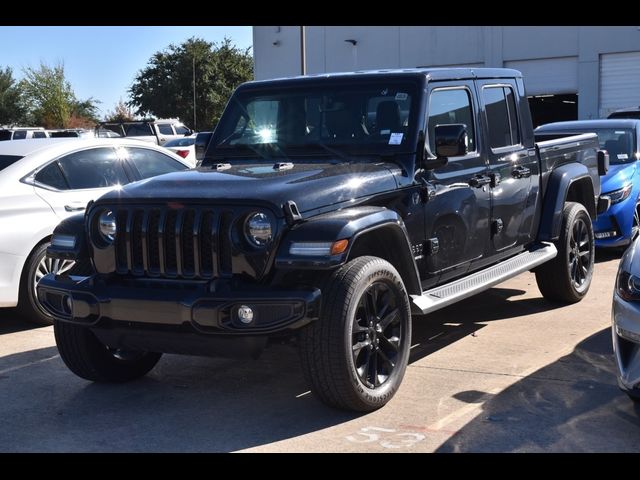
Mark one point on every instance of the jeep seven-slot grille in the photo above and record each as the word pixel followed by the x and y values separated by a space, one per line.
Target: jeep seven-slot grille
pixel 185 243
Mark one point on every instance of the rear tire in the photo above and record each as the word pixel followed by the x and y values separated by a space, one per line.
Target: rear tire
pixel 568 276
pixel 354 357
pixel 90 359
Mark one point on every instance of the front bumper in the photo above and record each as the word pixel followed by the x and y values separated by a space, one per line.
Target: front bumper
pixel 617 218
pixel 625 318
pixel 209 308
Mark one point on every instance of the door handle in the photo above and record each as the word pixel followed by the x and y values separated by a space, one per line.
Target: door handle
pixel 74 208
pixel 521 172
pixel 478 181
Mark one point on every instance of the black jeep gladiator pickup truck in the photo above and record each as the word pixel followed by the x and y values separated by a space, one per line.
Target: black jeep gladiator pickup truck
pixel 331 208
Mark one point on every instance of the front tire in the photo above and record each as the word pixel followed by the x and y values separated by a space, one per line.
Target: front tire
pixel 355 356
pixel 90 359
pixel 568 276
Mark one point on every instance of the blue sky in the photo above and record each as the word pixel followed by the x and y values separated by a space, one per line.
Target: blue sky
pixel 101 62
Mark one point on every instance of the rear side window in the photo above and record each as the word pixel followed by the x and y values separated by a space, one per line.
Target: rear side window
pixel 150 163
pixel 448 106
pixel 95 168
pixel 165 129
pixel 39 135
pixel 502 119
pixel 138 130
pixel 5 135
pixel 19 134
pixel 6 160
pixel 51 176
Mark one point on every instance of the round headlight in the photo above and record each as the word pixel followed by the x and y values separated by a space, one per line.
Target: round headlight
pixel 107 226
pixel 258 229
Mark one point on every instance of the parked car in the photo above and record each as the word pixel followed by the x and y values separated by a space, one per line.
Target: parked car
pixel 625 318
pixel 72 133
pixel 302 221
pixel 183 147
pixel 154 131
pixel 620 224
pixel 631 112
pixel 45 181
pixel 23 133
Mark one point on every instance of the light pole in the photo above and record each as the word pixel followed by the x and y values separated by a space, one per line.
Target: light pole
pixel 303 54
pixel 194 94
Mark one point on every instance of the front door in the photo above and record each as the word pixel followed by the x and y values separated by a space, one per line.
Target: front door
pixel 456 213
pixel 513 167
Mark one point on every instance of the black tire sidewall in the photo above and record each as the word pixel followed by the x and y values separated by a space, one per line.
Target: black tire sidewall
pixel 573 212
pixel 372 273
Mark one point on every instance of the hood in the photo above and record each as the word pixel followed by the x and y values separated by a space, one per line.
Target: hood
pixel 310 185
pixel 618 176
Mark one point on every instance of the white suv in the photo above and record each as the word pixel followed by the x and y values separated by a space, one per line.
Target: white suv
pixel 23 133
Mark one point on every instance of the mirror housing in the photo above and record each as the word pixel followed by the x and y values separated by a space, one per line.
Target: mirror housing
pixel 603 162
pixel 202 140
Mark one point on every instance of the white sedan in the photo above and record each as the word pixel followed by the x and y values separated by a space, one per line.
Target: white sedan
pixel 45 181
pixel 184 147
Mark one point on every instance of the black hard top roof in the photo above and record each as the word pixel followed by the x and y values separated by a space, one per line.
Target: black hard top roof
pixel 586 124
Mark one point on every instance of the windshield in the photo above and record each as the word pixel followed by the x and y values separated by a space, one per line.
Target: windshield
pixel 619 143
pixel 6 160
pixel 333 119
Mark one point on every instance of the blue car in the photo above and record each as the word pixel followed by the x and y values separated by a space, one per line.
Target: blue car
pixel 620 224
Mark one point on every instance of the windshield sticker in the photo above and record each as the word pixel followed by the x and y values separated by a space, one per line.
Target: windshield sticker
pixel 618 132
pixel 395 139
pixel 401 96
pixel 623 156
pixel 385 131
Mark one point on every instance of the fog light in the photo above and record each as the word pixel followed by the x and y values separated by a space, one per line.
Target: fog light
pixel 245 314
pixel 610 234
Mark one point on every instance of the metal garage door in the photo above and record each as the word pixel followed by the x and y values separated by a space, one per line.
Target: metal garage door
pixel 548 75
pixel 619 81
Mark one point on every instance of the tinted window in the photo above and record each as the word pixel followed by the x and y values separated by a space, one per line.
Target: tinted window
pixel 181 142
pixel 165 129
pixel 6 160
pixel 151 163
pixel 181 130
pixel 5 135
pixel 95 168
pixel 52 177
pixel 451 106
pixel 138 130
pixel 19 134
pixel 39 135
pixel 501 116
pixel 625 115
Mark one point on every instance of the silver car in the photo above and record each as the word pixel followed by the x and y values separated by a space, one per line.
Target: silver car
pixel 625 317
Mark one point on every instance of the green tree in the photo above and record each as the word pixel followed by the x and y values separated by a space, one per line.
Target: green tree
pixel 51 101
pixel 164 88
pixel 11 108
pixel 121 113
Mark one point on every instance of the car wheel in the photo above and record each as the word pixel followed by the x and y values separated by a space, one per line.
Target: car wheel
pixel 568 276
pixel 355 356
pixel 635 226
pixel 36 267
pixel 90 359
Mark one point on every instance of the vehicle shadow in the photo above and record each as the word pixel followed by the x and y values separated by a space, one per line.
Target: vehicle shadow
pixel 571 405
pixel 11 322
pixel 197 404
pixel 607 254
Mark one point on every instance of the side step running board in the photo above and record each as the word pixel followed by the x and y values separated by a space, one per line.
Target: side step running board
pixel 444 295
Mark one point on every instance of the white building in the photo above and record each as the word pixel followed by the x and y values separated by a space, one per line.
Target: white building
pixel 569 72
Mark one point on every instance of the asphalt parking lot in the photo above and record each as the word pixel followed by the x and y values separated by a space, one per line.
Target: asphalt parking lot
pixel 505 371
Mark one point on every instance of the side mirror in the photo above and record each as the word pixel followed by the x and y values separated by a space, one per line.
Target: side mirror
pixel 451 140
pixel 188 133
pixel 603 162
pixel 202 140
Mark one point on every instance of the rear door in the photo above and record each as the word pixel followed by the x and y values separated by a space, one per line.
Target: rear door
pixel 70 182
pixel 513 167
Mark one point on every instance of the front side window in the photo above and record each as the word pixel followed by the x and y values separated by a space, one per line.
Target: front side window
pixel 39 135
pixel 94 168
pixel 165 129
pixel 138 130
pixel 500 110
pixel 181 130
pixel 361 119
pixel 150 163
pixel 451 105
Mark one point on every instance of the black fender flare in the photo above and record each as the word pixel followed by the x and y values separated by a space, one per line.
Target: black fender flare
pixel 558 186
pixel 350 224
pixel 71 226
